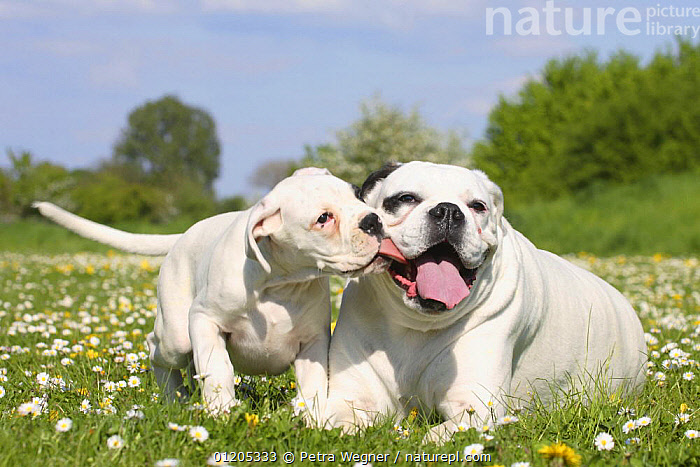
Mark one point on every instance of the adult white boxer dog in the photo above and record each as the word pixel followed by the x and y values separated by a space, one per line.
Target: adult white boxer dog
pixel 249 290
pixel 469 312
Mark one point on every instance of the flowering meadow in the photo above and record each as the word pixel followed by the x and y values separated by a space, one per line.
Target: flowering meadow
pixel 76 389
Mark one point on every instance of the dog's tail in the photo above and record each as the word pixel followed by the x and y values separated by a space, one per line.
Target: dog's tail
pixel 144 244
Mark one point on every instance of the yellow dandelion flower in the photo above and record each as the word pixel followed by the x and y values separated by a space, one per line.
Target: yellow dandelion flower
pixel 90 269
pixel 658 257
pixel 92 354
pixel 252 420
pixel 563 452
pixel 684 407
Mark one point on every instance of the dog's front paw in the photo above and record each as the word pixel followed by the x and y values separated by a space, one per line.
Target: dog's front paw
pixel 218 400
pixel 219 409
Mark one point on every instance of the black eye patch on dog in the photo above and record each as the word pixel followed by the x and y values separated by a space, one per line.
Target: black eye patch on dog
pixel 394 202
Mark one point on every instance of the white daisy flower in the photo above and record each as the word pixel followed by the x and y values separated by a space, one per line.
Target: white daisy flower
pixel 115 442
pixel 688 376
pixel 212 461
pixel 43 378
pixel 473 450
pixel 134 413
pixel 299 404
pixel 2 392
pixel 168 463
pixel 692 434
pixel 604 442
pixel 676 353
pixel 462 427
pixel 131 358
pixel 175 427
pixel 134 381
pixel 199 433
pixel 29 408
pixel 629 425
pixel 64 425
pixel 507 419
pixel 682 418
pixel 85 406
pixel 110 386
pixel 644 421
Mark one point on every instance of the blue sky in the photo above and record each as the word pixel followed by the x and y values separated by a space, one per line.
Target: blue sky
pixel 276 74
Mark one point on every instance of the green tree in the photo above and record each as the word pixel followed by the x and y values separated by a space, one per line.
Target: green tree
pixel 107 198
pixel 586 122
pixel 167 141
pixel 232 203
pixel 32 181
pixel 5 194
pixel 385 133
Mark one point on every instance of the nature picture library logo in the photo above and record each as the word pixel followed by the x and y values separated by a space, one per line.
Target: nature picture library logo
pixel 554 19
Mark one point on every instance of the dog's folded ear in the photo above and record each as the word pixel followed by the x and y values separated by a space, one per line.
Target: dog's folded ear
pixel 311 171
pixel 495 192
pixel 264 219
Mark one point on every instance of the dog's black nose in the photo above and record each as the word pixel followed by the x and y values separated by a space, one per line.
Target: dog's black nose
pixel 371 224
pixel 447 212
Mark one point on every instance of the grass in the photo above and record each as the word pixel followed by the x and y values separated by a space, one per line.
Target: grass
pixel 63 315
pixel 658 215
pixel 36 235
pixel 95 308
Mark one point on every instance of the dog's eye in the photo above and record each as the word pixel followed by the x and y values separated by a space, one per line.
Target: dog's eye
pixel 407 198
pixel 324 218
pixel 478 206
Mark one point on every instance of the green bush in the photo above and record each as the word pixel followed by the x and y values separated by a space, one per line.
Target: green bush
pixel 658 214
pixel 107 198
pixel 27 182
pixel 585 121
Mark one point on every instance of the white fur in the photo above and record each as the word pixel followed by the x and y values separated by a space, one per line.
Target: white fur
pixel 532 319
pixel 249 290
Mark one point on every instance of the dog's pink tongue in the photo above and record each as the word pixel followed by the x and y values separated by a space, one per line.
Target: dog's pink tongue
pixel 389 249
pixel 439 279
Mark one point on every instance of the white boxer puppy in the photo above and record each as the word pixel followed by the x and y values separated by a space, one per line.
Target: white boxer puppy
pixel 249 290
pixel 469 311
